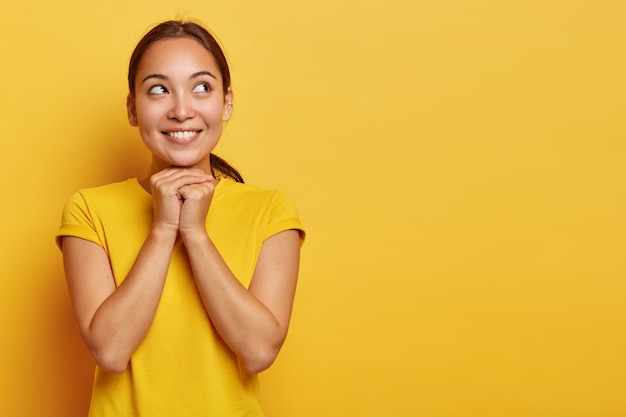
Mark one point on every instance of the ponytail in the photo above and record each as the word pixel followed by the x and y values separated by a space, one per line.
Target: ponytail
pixel 221 168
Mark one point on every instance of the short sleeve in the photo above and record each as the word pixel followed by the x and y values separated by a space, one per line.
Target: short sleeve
pixel 77 221
pixel 284 216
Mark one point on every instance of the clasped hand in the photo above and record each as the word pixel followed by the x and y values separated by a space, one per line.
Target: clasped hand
pixel 181 198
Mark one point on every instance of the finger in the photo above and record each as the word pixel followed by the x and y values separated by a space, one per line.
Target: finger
pixel 173 172
pixel 197 190
pixel 172 182
pixel 186 180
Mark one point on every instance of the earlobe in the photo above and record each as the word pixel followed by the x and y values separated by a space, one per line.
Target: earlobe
pixel 131 111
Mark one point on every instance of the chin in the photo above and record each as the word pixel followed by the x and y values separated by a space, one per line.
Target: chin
pixel 190 163
pixel 182 161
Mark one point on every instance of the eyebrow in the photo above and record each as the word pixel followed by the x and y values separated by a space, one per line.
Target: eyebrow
pixel 165 77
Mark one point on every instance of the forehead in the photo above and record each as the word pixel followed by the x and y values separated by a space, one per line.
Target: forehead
pixel 177 55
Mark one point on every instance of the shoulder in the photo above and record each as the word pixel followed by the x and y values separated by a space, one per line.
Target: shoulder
pixel 112 189
pixel 244 194
pixel 277 209
pixel 110 192
pixel 113 196
pixel 90 210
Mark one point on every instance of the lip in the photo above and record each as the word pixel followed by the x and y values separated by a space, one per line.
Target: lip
pixel 181 136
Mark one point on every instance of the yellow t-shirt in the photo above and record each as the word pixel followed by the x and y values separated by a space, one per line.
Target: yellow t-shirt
pixel 182 367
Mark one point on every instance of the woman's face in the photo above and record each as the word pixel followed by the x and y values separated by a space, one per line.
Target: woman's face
pixel 179 104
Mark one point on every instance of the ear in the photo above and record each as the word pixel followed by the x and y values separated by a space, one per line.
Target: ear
pixel 131 111
pixel 228 105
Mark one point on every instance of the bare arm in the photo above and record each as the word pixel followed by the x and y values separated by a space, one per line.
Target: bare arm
pixel 253 321
pixel 113 321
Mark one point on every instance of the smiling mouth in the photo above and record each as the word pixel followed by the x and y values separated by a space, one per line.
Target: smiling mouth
pixel 182 134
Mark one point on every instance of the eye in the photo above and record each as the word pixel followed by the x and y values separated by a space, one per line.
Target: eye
pixel 157 89
pixel 202 88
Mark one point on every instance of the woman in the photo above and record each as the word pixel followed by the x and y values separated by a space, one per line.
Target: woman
pixel 182 281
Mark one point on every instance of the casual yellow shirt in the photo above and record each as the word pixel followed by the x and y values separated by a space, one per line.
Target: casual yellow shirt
pixel 182 367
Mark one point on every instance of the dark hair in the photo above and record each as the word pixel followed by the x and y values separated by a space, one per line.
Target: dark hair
pixel 187 29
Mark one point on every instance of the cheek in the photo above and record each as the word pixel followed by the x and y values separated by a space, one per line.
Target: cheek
pixel 148 115
pixel 213 111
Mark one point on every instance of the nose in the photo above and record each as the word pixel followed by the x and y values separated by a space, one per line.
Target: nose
pixel 182 108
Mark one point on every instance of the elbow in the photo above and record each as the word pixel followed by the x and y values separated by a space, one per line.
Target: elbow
pixel 261 359
pixel 110 362
pixel 114 368
pixel 258 365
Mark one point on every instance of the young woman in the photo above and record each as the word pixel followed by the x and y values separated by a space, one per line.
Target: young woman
pixel 182 281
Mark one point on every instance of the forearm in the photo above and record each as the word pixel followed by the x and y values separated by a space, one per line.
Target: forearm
pixel 124 318
pixel 247 326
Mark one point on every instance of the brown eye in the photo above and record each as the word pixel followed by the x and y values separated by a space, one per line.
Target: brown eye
pixel 202 88
pixel 157 89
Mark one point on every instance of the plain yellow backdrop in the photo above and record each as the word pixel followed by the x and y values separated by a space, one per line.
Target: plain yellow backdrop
pixel 459 166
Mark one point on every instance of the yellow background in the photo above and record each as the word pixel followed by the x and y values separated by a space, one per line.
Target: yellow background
pixel 460 167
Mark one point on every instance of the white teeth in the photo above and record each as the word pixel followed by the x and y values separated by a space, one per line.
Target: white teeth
pixel 182 135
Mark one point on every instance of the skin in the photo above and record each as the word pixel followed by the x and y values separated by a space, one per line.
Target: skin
pixel 178 88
